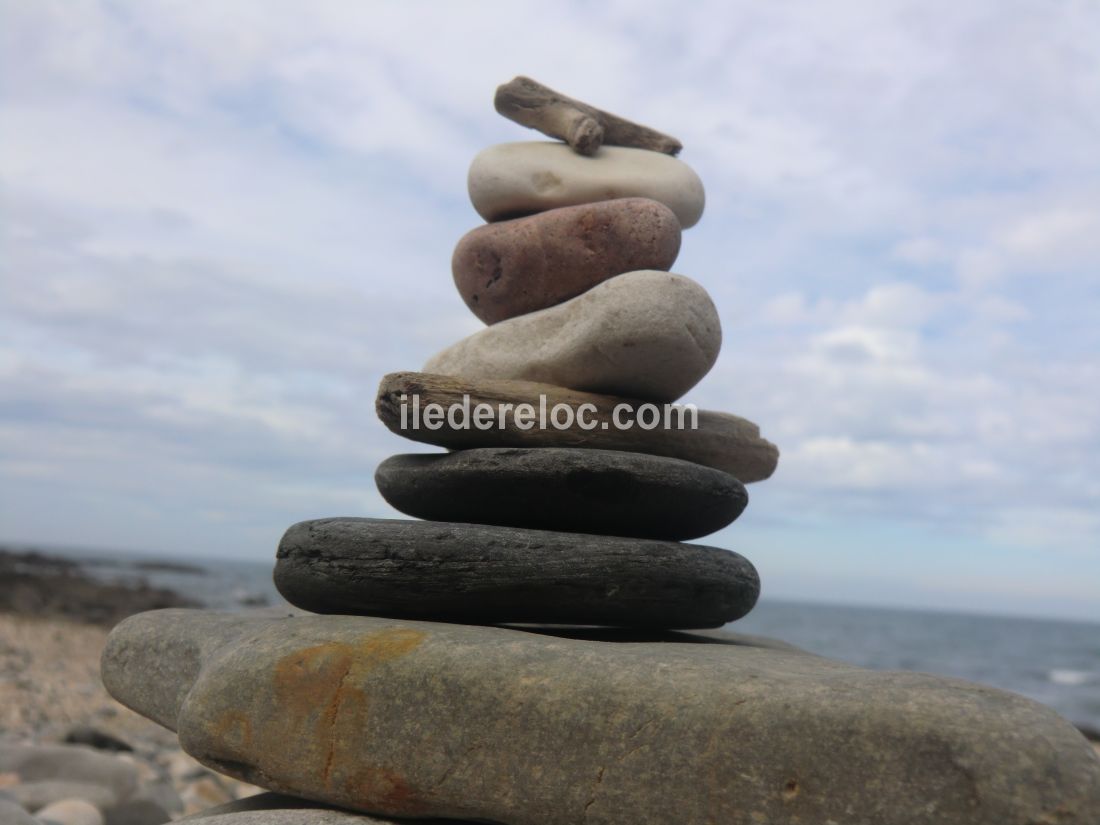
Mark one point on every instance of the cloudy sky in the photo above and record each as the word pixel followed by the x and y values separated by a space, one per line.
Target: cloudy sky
pixel 224 222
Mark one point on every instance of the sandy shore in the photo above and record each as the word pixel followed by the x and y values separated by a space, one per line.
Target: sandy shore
pixel 54 622
pixel 49 685
pixel 49 682
pixel 39 584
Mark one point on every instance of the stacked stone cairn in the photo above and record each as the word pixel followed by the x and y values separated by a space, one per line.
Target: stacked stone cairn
pixel 563 521
pixel 521 653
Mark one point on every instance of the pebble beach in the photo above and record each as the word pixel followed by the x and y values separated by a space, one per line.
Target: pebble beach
pixel 51 695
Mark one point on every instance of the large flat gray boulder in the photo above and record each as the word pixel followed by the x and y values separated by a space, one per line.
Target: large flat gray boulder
pixel 418 719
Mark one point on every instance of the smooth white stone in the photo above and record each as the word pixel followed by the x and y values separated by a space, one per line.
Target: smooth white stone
pixel 71 812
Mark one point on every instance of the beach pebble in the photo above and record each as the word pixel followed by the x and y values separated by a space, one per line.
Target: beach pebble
pixel 514 179
pixel 70 812
pixel 510 725
pixel 136 812
pixel 649 335
pixel 162 793
pixel 12 813
pixel 96 738
pixel 274 809
pixel 519 266
pixel 71 763
pixel 43 792
pixel 204 793
pixel 182 768
pixel 486 574
pixel 580 490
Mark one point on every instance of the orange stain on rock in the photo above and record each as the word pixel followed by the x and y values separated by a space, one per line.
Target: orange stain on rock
pixel 310 678
pixel 321 686
pixel 233 728
pixel 380 789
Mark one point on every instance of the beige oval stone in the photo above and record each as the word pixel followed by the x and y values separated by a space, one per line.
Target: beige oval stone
pixel 71 812
pixel 648 334
pixel 514 267
pixel 514 179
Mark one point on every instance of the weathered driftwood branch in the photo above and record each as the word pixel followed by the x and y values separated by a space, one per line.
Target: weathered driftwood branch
pixel 722 441
pixel 583 127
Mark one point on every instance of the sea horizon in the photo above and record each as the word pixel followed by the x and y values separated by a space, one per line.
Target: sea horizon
pixel 86 553
pixel 1052 660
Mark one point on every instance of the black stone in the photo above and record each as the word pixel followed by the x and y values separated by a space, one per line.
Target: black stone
pixel 95 738
pixel 605 492
pixel 481 574
pixel 136 812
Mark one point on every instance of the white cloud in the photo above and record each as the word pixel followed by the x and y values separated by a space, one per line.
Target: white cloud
pixel 920 250
pixel 224 222
pixel 1061 239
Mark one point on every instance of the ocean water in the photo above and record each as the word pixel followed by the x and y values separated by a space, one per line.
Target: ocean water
pixel 225 584
pixel 1054 662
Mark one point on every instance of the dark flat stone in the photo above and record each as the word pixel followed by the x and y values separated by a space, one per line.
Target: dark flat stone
pixel 485 575
pixel 604 492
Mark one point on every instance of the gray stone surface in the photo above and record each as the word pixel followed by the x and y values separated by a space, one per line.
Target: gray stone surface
pixel 73 763
pixel 136 812
pixel 647 334
pixel 514 179
pixel 605 492
pixel 514 267
pixel 161 794
pixel 11 813
pixel 486 575
pixel 421 719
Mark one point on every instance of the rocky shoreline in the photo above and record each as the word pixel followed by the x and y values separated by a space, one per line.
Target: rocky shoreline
pixel 40 584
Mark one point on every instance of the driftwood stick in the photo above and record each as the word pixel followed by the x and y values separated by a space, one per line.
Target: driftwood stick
pixel 585 128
